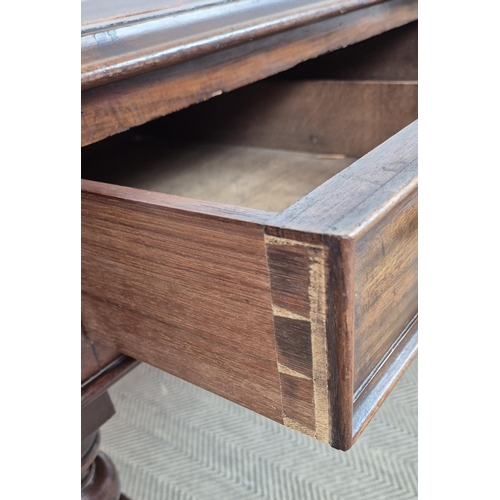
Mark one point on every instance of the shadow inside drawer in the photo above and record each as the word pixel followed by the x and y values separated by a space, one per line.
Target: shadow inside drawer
pixel 253 177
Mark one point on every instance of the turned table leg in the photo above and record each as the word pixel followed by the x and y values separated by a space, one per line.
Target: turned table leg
pixel 99 477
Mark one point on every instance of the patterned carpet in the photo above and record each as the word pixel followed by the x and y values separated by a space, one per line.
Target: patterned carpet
pixel 172 440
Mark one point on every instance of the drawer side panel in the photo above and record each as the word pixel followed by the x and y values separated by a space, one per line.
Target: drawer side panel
pixel 183 291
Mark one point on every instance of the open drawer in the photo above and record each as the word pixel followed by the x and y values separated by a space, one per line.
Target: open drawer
pixel 262 246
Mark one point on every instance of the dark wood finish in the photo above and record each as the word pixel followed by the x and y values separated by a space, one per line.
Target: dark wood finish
pixel 302 315
pixel 190 296
pixel 95 357
pixel 391 56
pixel 289 278
pixel 298 403
pixel 298 293
pixel 110 53
pixel 104 379
pixel 385 279
pixel 90 449
pixel 101 482
pixel 364 222
pixel 391 167
pixel 95 414
pixel 339 316
pixel 145 73
pixel 99 477
pixel 298 305
pixel 105 355
pixel 293 344
pixel 392 366
pixel 89 365
pixel 319 117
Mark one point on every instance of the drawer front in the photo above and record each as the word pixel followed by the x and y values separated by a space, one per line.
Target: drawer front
pixel 385 285
pixel 360 232
pixel 363 223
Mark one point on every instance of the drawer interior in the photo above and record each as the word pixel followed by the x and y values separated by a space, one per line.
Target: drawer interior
pixel 266 145
pixel 248 176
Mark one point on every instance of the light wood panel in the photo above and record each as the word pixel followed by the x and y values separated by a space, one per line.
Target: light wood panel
pixel 264 179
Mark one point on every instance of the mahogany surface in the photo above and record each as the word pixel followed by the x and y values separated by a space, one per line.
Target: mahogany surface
pixel 138 71
pixel 301 308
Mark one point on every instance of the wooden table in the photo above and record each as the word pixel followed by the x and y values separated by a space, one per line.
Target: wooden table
pixel 262 244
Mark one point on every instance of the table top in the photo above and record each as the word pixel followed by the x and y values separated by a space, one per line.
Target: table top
pixel 143 60
pixel 120 40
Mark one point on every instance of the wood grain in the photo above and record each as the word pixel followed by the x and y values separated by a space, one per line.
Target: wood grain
pixel 186 292
pixel 289 279
pixel 306 324
pixel 293 343
pixel 364 191
pixel 298 403
pixel 370 396
pixel 298 291
pixel 385 285
pixel 307 315
pixel 120 105
pixel 364 222
pixel 323 117
pixel 126 49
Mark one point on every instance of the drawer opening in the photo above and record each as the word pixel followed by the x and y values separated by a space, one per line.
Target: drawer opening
pixel 248 176
pixel 262 147
pixel 266 145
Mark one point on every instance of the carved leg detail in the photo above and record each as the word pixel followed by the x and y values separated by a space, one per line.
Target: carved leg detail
pixel 99 477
